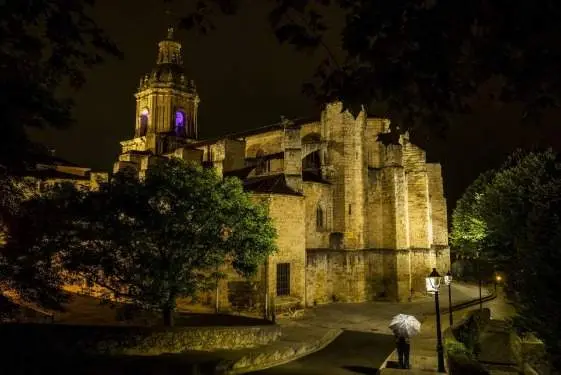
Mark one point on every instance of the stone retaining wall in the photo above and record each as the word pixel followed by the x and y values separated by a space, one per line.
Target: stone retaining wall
pixel 114 340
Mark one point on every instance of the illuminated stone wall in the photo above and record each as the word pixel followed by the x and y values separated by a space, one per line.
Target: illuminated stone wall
pixel 268 142
pixel 318 194
pixel 345 136
pixel 288 213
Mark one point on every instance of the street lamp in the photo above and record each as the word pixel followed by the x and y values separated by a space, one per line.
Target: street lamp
pixel 433 284
pixel 448 281
pixel 498 279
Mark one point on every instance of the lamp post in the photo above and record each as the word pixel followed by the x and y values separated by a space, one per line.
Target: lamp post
pixel 479 277
pixel 448 281
pixel 432 285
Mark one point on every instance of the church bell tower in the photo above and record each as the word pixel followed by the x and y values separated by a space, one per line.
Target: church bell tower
pixel 166 101
pixel 166 110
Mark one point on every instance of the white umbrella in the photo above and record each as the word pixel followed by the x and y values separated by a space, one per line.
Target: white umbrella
pixel 405 325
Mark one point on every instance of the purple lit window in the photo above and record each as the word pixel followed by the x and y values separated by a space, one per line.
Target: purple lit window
pixel 180 123
pixel 143 123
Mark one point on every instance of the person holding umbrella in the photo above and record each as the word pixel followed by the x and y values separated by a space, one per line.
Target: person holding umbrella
pixel 404 327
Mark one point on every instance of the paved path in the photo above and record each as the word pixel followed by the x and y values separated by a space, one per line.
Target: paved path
pixel 353 352
pixel 375 316
pixel 423 347
pixel 366 340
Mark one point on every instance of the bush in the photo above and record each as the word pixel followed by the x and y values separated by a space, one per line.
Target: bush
pixel 469 329
pixel 461 344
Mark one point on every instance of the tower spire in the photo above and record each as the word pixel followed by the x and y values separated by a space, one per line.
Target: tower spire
pixel 169 48
pixel 171 22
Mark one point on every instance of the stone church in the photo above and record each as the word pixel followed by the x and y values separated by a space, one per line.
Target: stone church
pixel 356 220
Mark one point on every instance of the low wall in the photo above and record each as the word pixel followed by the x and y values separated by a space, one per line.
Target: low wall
pixel 461 343
pixel 530 354
pixel 126 340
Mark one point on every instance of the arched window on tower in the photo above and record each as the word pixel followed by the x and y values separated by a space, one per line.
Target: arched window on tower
pixel 143 123
pixel 180 122
pixel 320 218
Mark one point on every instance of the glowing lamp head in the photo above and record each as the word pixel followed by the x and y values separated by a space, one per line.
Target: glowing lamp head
pixel 448 278
pixel 433 282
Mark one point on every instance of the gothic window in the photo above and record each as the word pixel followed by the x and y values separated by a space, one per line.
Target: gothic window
pixel 143 123
pixel 180 123
pixel 320 218
pixel 283 279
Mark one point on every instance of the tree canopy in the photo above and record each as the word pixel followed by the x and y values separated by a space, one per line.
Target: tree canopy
pixel 43 46
pixel 517 211
pixel 34 241
pixel 153 240
pixel 469 229
pixel 417 62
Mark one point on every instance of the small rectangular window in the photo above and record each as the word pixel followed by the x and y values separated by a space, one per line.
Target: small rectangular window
pixel 283 279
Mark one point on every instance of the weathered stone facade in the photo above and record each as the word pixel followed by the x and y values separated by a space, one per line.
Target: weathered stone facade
pixel 357 220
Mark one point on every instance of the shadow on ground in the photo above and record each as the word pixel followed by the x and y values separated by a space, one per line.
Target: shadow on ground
pixel 353 352
pixel 156 365
pixel 362 370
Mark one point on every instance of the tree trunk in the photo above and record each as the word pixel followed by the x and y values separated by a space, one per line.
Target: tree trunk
pixel 168 316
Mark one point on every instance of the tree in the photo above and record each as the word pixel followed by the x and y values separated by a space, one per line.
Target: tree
pixel 417 62
pixel 35 238
pixel 469 229
pixel 154 240
pixel 518 207
pixel 44 45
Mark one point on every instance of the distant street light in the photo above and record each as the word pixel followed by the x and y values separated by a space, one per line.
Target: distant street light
pixel 448 281
pixel 433 285
pixel 498 279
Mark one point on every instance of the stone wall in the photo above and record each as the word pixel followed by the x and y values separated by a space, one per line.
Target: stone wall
pixel 417 196
pixel 288 215
pixel 361 275
pixel 270 143
pixel 318 194
pixel 376 228
pixel 345 136
pixel 129 340
pixel 310 128
pixel 237 293
pixel 439 215
pixel 235 155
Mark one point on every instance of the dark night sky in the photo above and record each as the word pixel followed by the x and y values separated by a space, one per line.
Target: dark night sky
pixel 245 79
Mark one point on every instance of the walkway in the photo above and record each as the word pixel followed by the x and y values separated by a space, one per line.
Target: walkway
pixel 423 347
pixel 366 340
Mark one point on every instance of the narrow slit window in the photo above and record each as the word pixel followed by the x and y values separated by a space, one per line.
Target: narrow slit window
pixel 283 279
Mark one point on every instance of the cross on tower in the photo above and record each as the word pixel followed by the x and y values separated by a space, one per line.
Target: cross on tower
pixel 171 22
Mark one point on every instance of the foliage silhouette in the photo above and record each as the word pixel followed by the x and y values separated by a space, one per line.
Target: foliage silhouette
pixel 519 208
pixel 44 45
pixel 417 62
